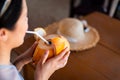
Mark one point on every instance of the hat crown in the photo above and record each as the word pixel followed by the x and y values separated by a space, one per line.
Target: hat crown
pixel 72 29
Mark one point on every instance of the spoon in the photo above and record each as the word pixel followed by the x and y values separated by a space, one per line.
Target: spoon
pixel 36 33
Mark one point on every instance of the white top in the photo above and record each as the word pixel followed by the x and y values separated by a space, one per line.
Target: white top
pixel 9 72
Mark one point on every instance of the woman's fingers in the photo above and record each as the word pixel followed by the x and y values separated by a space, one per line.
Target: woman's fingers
pixel 66 55
pixel 65 58
pixel 44 58
pixel 62 53
pixel 63 61
pixel 59 61
pixel 34 45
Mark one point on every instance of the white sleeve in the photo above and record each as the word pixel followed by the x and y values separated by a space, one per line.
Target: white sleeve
pixel 9 72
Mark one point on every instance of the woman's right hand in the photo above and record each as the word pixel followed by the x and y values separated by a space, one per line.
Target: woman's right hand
pixel 46 67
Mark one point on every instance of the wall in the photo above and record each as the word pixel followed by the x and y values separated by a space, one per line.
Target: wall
pixel 44 12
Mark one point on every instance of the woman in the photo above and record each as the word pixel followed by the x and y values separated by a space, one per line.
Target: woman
pixel 13 25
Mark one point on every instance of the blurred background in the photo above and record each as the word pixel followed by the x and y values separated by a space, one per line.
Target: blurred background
pixel 43 12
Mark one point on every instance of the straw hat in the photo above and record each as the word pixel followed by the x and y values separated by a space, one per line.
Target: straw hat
pixel 80 35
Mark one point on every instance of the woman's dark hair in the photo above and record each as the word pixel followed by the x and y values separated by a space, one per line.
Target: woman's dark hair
pixel 11 15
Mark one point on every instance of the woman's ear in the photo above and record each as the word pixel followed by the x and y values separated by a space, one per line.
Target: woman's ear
pixel 3 34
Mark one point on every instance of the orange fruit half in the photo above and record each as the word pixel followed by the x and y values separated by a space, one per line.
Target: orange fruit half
pixel 57 44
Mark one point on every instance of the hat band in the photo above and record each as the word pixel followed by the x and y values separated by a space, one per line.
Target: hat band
pixel 70 39
pixel 5 7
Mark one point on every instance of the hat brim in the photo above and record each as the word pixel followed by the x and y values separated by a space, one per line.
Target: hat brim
pixel 91 37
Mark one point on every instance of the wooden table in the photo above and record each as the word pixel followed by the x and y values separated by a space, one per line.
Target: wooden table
pixel 99 63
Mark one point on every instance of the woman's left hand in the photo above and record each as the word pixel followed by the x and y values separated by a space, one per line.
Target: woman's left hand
pixel 26 57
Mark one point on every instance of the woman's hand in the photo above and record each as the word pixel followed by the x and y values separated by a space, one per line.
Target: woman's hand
pixel 25 58
pixel 45 68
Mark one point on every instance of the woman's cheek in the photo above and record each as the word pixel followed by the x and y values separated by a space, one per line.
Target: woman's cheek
pixel 26 23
